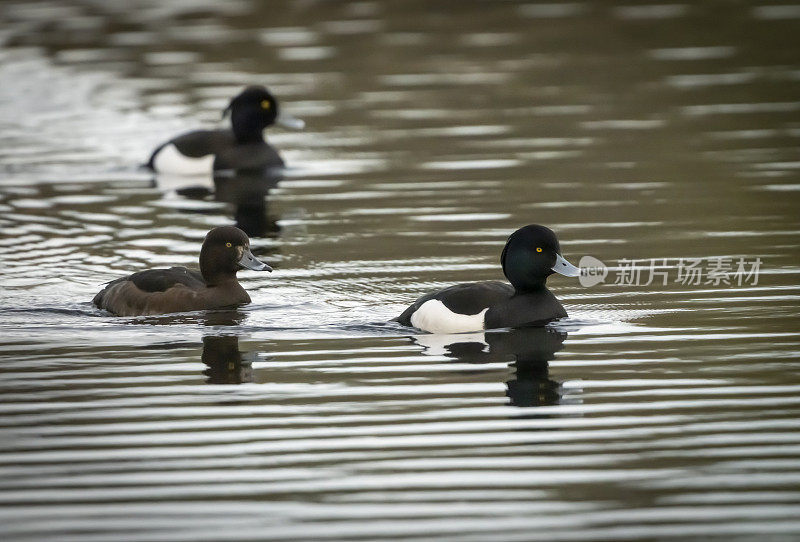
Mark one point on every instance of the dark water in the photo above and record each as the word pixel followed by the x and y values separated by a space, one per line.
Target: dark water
pixel 434 129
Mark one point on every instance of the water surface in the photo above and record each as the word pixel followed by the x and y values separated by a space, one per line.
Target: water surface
pixel 434 129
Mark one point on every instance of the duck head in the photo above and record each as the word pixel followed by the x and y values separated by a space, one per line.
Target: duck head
pixel 226 250
pixel 532 254
pixel 253 110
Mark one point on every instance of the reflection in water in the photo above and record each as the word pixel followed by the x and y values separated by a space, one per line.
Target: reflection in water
pixel 247 191
pixel 530 350
pixel 226 364
pixel 222 317
pixel 230 317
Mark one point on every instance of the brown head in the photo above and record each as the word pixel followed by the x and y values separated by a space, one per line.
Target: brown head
pixel 226 250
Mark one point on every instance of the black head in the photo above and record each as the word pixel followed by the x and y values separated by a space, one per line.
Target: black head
pixel 251 112
pixel 226 250
pixel 531 254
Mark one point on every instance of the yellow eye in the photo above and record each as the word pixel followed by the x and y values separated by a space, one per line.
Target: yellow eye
pixel 228 245
pixel 266 104
pixel 538 249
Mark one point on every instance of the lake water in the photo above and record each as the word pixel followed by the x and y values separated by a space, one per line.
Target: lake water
pixel 648 132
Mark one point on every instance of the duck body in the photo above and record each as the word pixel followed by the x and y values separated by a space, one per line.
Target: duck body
pixel 202 152
pixel 241 147
pixel 530 255
pixel 162 291
pixel 456 309
pixel 481 305
pixel 179 289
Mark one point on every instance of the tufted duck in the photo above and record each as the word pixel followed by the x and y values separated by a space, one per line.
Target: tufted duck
pixel 241 148
pixel 531 254
pixel 159 291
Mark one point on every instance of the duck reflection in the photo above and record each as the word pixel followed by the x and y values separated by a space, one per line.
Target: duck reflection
pixel 246 191
pixel 528 349
pixel 220 317
pixel 223 317
pixel 225 363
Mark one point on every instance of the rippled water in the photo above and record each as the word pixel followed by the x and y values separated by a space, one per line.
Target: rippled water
pixel 434 129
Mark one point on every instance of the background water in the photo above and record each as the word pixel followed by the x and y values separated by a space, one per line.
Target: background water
pixel 434 129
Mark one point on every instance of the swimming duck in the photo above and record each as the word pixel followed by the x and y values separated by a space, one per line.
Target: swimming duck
pixel 241 148
pixel 160 291
pixel 531 254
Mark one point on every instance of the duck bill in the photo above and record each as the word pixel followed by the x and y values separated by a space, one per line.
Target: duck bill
pixel 288 121
pixel 563 267
pixel 248 261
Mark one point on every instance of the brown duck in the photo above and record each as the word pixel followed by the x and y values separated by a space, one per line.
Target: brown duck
pixel 178 289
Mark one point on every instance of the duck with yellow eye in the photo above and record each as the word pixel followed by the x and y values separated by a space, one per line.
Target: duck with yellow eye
pixel 240 148
pixel 225 251
pixel 531 254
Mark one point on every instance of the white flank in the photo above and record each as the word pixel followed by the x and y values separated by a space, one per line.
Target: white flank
pixel 169 160
pixel 434 317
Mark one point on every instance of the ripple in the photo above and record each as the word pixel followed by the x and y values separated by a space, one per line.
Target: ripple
pixel 654 11
pixel 742 108
pixel 779 13
pixel 779 187
pixel 461 217
pixel 471 164
pixel 693 53
pixel 551 11
pixel 306 53
pixel 289 36
pixel 706 80
pixel 624 124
